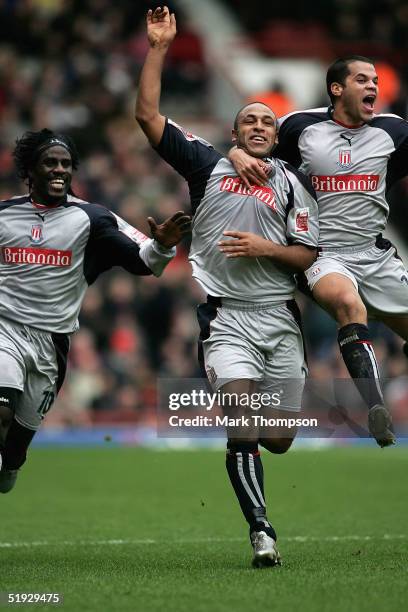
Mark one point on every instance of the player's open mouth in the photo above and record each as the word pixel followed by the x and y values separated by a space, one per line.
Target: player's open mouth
pixel 258 139
pixel 57 183
pixel 368 104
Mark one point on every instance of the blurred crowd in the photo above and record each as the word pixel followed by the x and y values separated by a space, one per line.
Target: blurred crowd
pixel 73 66
pixel 380 26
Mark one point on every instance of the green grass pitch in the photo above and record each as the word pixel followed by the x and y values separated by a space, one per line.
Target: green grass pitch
pixel 132 529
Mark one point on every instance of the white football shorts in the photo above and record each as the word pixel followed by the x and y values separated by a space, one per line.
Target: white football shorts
pixel 259 342
pixel 34 362
pixel 379 276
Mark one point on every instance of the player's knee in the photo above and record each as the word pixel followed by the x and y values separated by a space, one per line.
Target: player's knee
pixel 278 446
pixel 349 308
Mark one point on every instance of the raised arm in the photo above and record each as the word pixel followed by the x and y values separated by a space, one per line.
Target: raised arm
pixel 161 30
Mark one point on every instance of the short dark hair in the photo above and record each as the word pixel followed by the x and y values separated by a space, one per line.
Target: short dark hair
pixel 338 71
pixel 30 146
pixel 244 107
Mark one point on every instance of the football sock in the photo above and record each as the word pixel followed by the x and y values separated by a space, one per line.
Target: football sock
pixel 244 467
pixel 15 448
pixel 359 357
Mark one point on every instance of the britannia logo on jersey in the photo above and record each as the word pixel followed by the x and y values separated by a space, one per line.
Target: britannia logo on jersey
pixel 344 158
pixel 236 185
pixel 36 233
pixel 346 182
pixel 36 256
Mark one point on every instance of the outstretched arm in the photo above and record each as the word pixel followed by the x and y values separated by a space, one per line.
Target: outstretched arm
pixel 161 30
pixel 157 253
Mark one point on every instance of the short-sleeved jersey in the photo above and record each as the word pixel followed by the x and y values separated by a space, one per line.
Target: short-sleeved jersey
pixel 49 256
pixel 285 211
pixel 350 168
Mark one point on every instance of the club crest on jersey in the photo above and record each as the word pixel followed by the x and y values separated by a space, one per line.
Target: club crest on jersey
pixel 302 220
pixel 36 233
pixel 344 158
pixel 211 374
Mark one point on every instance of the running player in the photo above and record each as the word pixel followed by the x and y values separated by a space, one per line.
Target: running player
pixel 352 157
pixel 52 246
pixel 250 335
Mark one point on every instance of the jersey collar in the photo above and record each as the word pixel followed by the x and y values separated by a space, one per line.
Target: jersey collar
pixel 44 206
pixel 349 127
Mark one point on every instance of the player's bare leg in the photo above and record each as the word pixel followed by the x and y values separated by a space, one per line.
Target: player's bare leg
pixel 245 470
pixel 337 294
pixel 278 440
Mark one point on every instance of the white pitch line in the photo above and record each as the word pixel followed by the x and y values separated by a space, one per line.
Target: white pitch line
pixel 345 538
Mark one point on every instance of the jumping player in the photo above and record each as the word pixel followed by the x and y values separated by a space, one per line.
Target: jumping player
pixel 250 335
pixel 352 157
pixel 52 246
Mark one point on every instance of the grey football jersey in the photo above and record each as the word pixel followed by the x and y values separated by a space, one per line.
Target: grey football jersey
pixel 49 256
pixel 350 169
pixel 284 211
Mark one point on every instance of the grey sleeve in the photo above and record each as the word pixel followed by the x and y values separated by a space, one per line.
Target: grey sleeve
pixel 156 256
pixel 152 253
pixel 302 224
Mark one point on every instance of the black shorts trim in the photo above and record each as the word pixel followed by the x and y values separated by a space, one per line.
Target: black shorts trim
pixel 205 314
pixel 294 309
pixel 61 345
pixel 385 245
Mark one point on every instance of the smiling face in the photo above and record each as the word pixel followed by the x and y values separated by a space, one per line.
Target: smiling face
pixel 256 130
pixel 51 176
pixel 355 99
